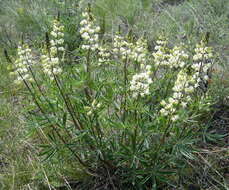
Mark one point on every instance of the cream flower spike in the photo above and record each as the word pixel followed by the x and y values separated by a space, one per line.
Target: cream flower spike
pixel 50 63
pixel 122 47
pixel 202 63
pixel 140 83
pixel 139 51
pixel 89 32
pixel 22 64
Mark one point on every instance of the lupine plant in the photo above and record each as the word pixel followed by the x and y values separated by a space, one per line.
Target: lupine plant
pixel 129 117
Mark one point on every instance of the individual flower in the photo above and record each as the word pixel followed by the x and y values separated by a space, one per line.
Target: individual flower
pixel 95 106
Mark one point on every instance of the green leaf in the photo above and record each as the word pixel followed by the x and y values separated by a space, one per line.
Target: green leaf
pixel 64 119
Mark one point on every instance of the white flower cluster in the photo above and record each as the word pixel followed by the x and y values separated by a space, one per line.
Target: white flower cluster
pixel 202 52
pixel 140 82
pixel 22 64
pixel 161 54
pixel 94 107
pixel 177 58
pixel 202 63
pixel 139 51
pixel 89 32
pixel 185 83
pixel 58 38
pixel 104 54
pixel 183 87
pixel 51 63
pixel 122 47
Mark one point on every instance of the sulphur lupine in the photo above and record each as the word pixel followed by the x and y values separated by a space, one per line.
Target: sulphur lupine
pixel 104 54
pixel 23 64
pixel 182 89
pixel 89 32
pixel 161 54
pixel 177 58
pixel 187 82
pixel 140 83
pixel 139 51
pixel 51 62
pixel 202 63
pixel 122 47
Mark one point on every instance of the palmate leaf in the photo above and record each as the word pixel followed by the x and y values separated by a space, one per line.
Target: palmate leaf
pixel 188 154
pixel 158 174
pixel 34 124
pixel 215 138
pixel 184 147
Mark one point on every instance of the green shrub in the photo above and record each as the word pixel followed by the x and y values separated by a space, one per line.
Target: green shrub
pixel 127 117
pixel 102 110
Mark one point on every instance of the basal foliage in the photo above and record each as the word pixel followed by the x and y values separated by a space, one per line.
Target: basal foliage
pixel 129 117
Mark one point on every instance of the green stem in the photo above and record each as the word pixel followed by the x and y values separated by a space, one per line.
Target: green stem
pixel 88 91
pixel 46 99
pixel 68 105
pixel 54 128
pixel 162 141
pixel 125 89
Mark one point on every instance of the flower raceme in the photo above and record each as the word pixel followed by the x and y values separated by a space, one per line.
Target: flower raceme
pixel 134 51
pixel 175 58
pixel 104 54
pixel 89 32
pixel 139 51
pixel 183 87
pixel 122 47
pixel 23 63
pixel 185 83
pixel 161 54
pixel 140 83
pixel 57 38
pixel 202 61
pixel 51 62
